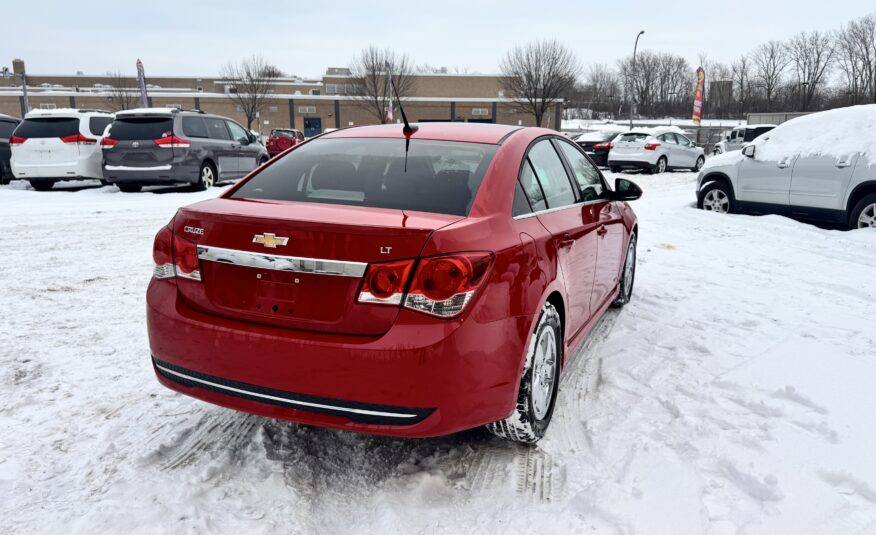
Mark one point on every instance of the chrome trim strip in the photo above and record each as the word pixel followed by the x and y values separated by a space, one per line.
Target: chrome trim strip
pixel 286 400
pixel 127 168
pixel 557 209
pixel 317 266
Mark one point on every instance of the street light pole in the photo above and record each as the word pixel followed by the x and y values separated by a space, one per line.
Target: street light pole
pixel 632 89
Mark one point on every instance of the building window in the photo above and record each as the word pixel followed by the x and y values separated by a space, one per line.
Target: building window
pixel 273 108
pixel 230 89
pixel 314 91
pixel 306 109
pixel 47 106
pixel 480 112
pixel 331 89
pixel 239 108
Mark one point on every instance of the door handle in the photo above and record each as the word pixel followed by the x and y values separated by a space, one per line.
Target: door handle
pixel 844 163
pixel 784 163
pixel 602 231
pixel 566 242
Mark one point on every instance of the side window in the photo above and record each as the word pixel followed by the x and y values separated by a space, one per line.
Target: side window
pixel 668 138
pixel 586 174
pixel 532 188
pixel 238 133
pixel 6 128
pixel 194 127
pixel 683 141
pixel 96 125
pixel 551 174
pixel 521 203
pixel 216 129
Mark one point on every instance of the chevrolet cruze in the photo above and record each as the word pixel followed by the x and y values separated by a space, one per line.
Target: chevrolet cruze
pixel 392 281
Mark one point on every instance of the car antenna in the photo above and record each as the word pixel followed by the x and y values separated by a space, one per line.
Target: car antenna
pixel 409 128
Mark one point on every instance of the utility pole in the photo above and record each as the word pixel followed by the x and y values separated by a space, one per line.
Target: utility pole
pixel 633 89
pixel 18 72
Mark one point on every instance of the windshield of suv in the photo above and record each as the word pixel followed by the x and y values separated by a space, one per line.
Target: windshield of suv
pixel 441 177
pixel 43 127
pixel 140 128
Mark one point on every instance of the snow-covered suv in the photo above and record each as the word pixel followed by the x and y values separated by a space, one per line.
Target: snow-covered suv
pixel 655 150
pixel 817 167
pixel 58 144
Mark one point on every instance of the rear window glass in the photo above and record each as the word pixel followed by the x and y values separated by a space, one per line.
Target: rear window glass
pixel 141 128
pixel 96 125
pixel 441 177
pixel 596 136
pixel 633 137
pixel 194 127
pixel 48 127
pixel 6 128
pixel 284 133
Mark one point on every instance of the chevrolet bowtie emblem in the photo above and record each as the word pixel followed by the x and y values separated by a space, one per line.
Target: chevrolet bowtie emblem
pixel 270 240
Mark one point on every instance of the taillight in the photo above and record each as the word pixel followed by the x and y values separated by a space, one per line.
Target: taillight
pixel 651 146
pixel 78 139
pixel 172 142
pixel 108 142
pixel 17 140
pixel 444 285
pixel 607 146
pixel 175 256
pixel 384 283
pixel 185 259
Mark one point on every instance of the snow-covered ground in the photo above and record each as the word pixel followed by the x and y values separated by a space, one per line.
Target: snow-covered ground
pixel 735 394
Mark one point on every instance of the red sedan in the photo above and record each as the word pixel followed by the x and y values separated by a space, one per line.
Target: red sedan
pixel 408 287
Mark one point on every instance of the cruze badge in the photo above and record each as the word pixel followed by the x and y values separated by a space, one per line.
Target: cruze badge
pixel 194 230
pixel 269 240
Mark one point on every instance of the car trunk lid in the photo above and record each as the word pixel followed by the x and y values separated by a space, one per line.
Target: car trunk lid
pixel 43 143
pixel 135 144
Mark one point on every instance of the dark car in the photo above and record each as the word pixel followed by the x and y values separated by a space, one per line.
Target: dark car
pixel 151 146
pixel 7 125
pixel 596 145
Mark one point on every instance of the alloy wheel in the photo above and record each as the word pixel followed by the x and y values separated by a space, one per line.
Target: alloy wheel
pixel 661 165
pixel 629 269
pixel 867 219
pixel 544 372
pixel 699 164
pixel 716 201
pixel 207 177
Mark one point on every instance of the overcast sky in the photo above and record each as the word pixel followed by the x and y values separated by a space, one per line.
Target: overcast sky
pixel 305 37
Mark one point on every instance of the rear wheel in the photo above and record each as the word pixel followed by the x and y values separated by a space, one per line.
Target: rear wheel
pixel 42 185
pixel 628 277
pixel 717 197
pixel 660 167
pixel 864 213
pixel 700 162
pixel 207 176
pixel 130 188
pixel 538 385
pixel 614 169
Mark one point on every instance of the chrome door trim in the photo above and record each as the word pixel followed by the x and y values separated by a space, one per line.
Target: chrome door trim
pixel 318 266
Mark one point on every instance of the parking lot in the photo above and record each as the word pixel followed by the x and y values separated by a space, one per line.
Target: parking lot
pixel 729 396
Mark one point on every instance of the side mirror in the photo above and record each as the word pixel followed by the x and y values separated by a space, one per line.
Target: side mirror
pixel 626 190
pixel 748 150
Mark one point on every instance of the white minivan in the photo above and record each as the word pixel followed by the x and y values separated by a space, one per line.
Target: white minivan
pixel 58 144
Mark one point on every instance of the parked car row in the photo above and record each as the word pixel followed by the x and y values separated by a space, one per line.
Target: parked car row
pixel 653 150
pixel 132 148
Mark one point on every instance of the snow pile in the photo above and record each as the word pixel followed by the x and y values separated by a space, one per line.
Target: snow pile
pixel 727 158
pixel 840 132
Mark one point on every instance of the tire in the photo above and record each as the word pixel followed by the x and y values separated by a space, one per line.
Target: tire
pixel 628 275
pixel 537 397
pixel 206 176
pixel 130 188
pixel 717 150
pixel 42 185
pixel 263 161
pixel 864 213
pixel 614 169
pixel 661 166
pixel 105 182
pixel 717 197
pixel 699 165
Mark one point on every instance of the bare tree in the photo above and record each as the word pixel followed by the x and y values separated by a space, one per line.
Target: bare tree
pixel 272 71
pixel 855 46
pixel 770 62
pixel 537 74
pixel 250 85
pixel 123 92
pixel 370 85
pixel 811 56
pixel 741 69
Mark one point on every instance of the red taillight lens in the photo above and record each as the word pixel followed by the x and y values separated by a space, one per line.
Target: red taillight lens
pixel 170 141
pixel 651 146
pixel 600 146
pixel 185 259
pixel 444 285
pixel 79 139
pixel 17 140
pixel 384 283
pixel 108 142
pixel 162 254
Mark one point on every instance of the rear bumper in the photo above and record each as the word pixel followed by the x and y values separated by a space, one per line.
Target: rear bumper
pixel 637 164
pixel 72 170
pixel 156 174
pixel 426 377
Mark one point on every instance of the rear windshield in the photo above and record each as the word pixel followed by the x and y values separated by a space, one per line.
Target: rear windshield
pixel 140 128
pixel 633 137
pixel 283 133
pixel 98 124
pixel 6 128
pixel 48 127
pixel 441 177
pixel 596 136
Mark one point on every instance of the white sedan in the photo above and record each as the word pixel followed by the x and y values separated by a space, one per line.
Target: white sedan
pixel 655 150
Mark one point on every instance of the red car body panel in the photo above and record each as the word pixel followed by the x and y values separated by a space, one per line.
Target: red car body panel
pixel 454 373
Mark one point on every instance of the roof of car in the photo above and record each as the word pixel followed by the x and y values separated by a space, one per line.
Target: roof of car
pixel 467 132
pixel 64 112
pixel 159 111
pixel 8 117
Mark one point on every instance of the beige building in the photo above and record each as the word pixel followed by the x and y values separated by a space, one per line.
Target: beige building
pixel 310 105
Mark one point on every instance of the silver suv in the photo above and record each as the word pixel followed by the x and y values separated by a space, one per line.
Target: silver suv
pixel 818 167
pixel 172 146
pixel 739 136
